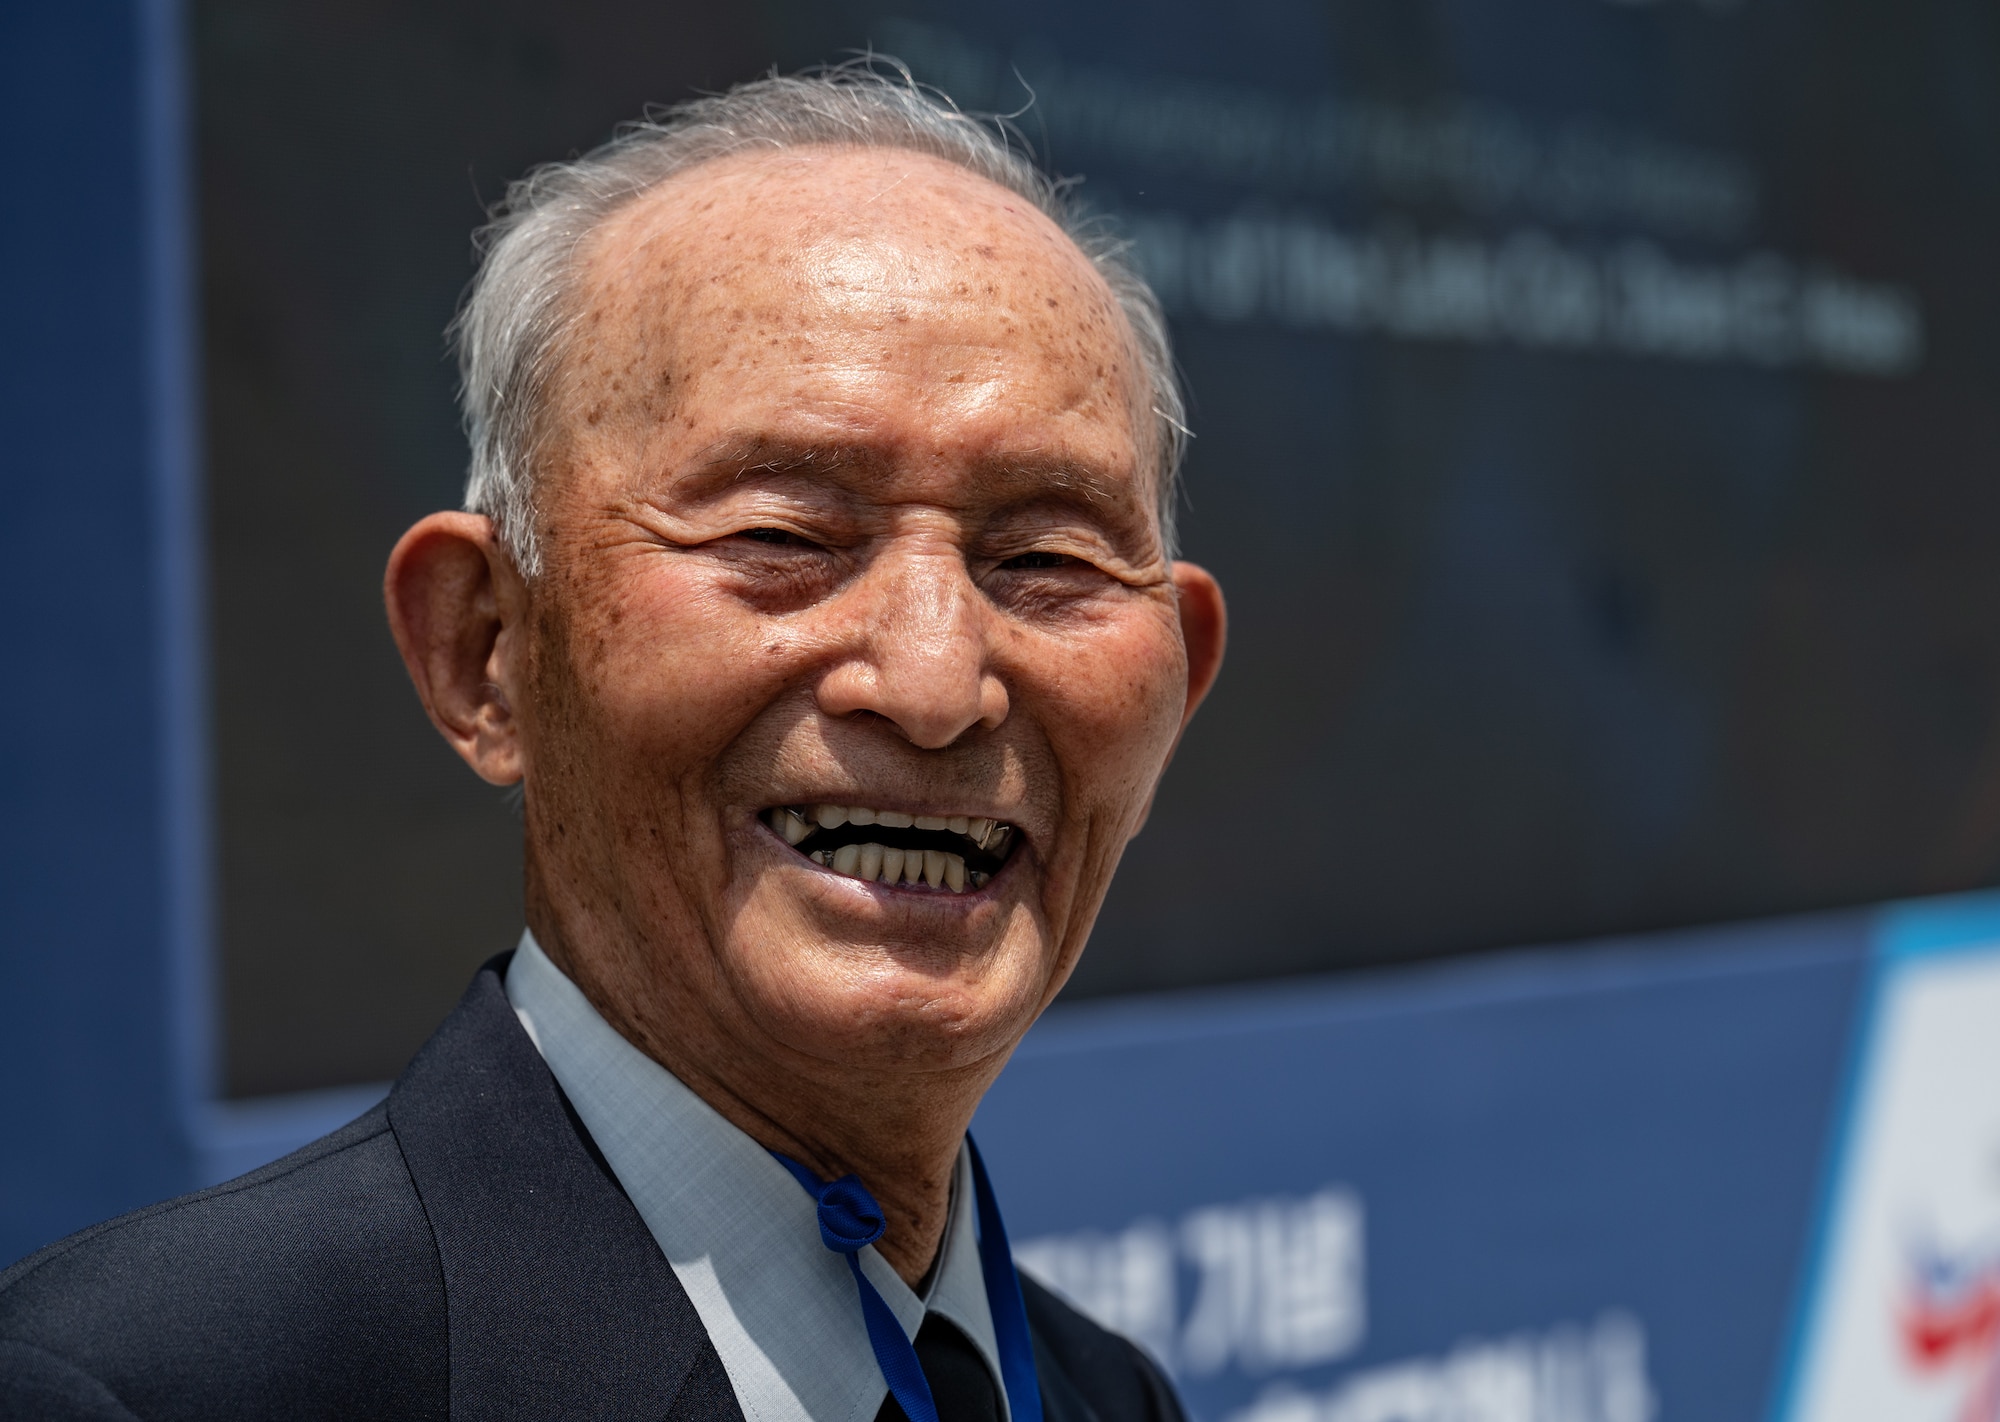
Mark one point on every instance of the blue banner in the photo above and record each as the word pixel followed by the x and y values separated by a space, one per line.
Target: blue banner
pixel 1571 1187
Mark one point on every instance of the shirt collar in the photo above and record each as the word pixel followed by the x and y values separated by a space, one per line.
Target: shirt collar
pixel 740 1234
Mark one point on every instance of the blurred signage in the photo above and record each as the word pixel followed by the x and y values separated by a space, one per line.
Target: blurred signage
pixel 1523 286
pixel 1472 154
pixel 1529 289
pixel 1567 1187
pixel 1278 1287
pixel 1568 1373
pixel 1278 1282
pixel 1536 1188
pixel 1904 1318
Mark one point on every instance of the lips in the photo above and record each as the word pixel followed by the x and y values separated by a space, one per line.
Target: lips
pixel 936 853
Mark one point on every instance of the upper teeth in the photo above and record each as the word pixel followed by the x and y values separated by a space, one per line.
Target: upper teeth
pixel 795 825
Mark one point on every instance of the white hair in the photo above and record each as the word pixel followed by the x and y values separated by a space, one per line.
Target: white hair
pixel 512 327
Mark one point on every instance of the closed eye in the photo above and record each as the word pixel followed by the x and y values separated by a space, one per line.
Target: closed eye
pixel 778 536
pixel 1035 562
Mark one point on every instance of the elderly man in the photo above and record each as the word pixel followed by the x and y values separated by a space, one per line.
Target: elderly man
pixel 816 587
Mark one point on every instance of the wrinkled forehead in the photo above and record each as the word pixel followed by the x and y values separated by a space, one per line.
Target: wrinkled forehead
pixel 783 253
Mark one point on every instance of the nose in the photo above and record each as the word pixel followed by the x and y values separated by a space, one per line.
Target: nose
pixel 915 649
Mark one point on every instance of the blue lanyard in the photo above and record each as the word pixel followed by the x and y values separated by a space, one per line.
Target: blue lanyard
pixel 850 1221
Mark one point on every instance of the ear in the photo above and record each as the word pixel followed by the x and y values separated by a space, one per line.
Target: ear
pixel 1204 630
pixel 456 607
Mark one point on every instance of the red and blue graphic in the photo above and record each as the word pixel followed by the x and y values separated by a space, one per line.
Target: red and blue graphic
pixel 1950 1322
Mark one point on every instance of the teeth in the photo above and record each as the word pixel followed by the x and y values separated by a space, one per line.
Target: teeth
pixel 878 863
pixel 871 863
pixel 976 828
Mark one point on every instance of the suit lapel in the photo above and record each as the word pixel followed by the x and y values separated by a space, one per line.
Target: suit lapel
pixel 1061 1402
pixel 560 1303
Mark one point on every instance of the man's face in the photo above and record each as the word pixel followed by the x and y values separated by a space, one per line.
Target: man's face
pixel 851 505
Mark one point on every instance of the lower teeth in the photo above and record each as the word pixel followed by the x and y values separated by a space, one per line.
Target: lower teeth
pixel 873 863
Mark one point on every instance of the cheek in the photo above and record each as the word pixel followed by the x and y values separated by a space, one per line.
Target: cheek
pixel 673 669
pixel 1115 707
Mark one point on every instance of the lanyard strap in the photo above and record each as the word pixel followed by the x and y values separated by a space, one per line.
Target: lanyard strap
pixel 1003 1300
pixel 850 1221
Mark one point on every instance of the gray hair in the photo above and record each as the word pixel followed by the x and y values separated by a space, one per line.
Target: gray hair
pixel 512 327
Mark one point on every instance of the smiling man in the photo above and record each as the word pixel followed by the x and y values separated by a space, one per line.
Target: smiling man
pixel 816 586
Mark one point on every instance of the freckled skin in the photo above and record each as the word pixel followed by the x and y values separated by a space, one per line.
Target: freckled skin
pixel 850 500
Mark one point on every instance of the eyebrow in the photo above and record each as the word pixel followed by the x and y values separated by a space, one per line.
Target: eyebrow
pixel 727 461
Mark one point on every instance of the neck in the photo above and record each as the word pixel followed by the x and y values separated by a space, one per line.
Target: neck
pixel 898 1131
pixel 905 1155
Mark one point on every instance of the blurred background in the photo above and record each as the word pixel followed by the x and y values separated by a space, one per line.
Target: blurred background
pixel 1511 997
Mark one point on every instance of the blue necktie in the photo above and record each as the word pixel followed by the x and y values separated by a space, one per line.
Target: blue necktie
pixel 850 1221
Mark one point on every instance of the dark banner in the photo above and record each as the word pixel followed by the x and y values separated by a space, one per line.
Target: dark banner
pixel 1594 433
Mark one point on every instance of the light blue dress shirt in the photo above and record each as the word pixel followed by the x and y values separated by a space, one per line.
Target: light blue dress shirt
pixel 741 1235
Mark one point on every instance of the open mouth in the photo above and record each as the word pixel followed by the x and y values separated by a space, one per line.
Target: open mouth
pixel 947 853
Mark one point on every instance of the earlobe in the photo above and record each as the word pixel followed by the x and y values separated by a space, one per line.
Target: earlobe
pixel 454 604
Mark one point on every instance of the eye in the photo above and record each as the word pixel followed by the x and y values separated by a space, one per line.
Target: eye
pixel 1038 562
pixel 778 536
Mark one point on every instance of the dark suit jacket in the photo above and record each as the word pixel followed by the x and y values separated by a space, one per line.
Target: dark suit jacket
pixel 460 1251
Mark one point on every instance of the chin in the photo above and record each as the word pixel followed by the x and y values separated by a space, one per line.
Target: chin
pixel 890 1009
